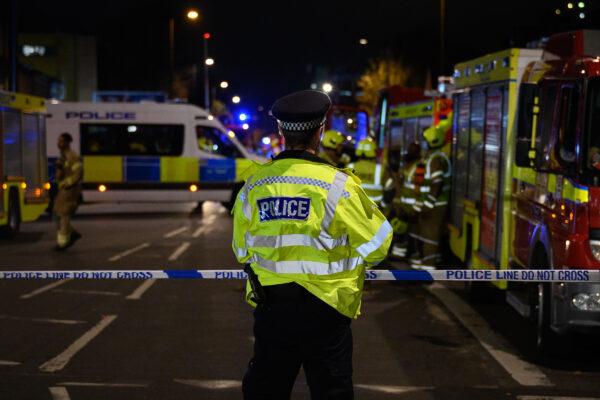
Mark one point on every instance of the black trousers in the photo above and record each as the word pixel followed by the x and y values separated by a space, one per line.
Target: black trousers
pixel 293 329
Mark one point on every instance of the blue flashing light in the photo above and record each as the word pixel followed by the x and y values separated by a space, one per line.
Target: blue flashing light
pixel 243 117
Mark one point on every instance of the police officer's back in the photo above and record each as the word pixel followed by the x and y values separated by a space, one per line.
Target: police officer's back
pixel 309 231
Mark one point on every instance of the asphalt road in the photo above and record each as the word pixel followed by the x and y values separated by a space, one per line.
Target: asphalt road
pixel 177 339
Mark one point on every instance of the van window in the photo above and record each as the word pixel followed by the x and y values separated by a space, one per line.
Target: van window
pixel 213 141
pixel 131 140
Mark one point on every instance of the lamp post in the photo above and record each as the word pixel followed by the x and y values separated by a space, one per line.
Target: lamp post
pixel 207 63
pixel 191 15
pixel 442 35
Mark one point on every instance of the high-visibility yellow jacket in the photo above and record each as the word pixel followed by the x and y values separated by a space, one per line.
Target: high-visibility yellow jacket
pixel 298 219
pixel 435 190
pixel 369 173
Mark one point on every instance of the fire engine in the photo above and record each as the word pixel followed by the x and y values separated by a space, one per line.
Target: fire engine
pixel 402 117
pixel 526 184
pixel 23 174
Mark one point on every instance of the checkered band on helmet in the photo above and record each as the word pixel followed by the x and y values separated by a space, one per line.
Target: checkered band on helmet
pixel 301 126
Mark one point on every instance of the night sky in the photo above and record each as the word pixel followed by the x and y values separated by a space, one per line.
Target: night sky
pixel 267 48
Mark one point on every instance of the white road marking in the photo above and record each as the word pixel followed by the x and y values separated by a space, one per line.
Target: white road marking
pixel 9 363
pixel 44 289
pixel 555 398
pixel 206 226
pixel 94 292
pixel 179 251
pixel 521 371
pixel 137 293
pixel 103 384
pixel 59 362
pixel 394 389
pixel 59 393
pixel 199 231
pixel 128 252
pixel 175 232
pixel 211 384
pixel 48 320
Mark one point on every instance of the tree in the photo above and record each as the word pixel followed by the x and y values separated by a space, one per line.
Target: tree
pixel 381 73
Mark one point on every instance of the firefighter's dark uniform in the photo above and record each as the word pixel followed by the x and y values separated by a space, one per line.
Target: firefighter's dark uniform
pixel 434 194
pixel 69 173
pixel 308 231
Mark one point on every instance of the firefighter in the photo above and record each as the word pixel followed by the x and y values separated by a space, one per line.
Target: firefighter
pixel 331 149
pixel 368 169
pixel 434 194
pixel 69 172
pixel 308 232
pixel 407 203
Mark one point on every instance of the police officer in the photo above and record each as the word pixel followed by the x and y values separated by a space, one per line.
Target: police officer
pixel 69 172
pixel 368 169
pixel 434 194
pixel 308 232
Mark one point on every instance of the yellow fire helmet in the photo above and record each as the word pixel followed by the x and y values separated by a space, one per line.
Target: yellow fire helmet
pixel 366 148
pixel 435 136
pixel 332 139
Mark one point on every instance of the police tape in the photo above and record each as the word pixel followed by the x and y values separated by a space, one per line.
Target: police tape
pixel 457 275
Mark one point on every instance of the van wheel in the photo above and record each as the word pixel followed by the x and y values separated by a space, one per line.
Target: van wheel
pixel 13 222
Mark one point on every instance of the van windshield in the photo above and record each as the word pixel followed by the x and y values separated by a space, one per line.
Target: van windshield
pixel 212 140
pixel 593 125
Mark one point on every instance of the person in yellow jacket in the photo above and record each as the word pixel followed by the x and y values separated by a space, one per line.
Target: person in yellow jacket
pixel 69 173
pixel 368 169
pixel 407 204
pixel 306 232
pixel 434 195
pixel 331 149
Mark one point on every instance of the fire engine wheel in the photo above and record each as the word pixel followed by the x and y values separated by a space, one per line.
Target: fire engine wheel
pixel 545 337
pixel 13 223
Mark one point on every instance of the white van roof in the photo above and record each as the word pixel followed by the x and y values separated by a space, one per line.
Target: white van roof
pixel 146 106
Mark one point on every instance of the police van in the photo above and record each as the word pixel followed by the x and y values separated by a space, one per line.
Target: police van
pixel 150 152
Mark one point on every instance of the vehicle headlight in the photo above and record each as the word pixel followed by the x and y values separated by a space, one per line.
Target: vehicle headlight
pixel 595 246
pixel 587 301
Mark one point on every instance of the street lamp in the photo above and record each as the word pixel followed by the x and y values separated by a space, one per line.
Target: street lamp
pixel 235 99
pixel 224 85
pixel 327 87
pixel 192 15
pixel 209 61
pixel 363 41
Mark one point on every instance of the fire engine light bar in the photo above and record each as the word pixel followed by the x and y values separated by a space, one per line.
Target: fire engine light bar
pixel 455 275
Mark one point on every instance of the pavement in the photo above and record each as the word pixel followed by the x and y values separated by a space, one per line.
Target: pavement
pixel 184 339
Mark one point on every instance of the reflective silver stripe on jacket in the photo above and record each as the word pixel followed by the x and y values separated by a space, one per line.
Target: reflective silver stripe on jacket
pixel 368 186
pixel 278 241
pixel 367 248
pixel 336 192
pixel 429 161
pixel 308 267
